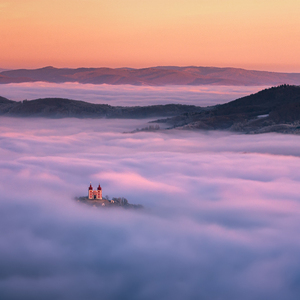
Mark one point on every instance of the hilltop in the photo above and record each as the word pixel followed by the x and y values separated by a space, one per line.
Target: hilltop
pixel 272 110
pixel 114 202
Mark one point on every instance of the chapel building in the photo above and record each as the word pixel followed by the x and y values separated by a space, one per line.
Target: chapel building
pixel 97 194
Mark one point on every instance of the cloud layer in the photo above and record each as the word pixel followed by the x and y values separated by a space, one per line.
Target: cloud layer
pixel 221 218
pixel 127 95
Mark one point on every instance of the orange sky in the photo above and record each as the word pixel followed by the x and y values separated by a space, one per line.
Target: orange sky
pixel 253 34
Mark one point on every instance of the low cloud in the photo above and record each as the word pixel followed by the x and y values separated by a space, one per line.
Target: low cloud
pixel 221 217
pixel 135 181
pixel 127 95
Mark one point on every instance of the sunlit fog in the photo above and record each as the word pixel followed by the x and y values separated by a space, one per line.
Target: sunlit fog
pixel 220 218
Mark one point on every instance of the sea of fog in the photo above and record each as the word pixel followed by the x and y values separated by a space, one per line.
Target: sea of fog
pixel 221 217
pixel 127 95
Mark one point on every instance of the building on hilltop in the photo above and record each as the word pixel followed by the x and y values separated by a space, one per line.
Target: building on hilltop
pixel 97 194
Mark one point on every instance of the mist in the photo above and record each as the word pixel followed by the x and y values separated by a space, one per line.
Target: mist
pixel 127 95
pixel 220 218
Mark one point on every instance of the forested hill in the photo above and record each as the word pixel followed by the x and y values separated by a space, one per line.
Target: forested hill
pixel 66 108
pixel 276 109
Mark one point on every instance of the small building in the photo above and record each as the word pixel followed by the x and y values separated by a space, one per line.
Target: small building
pixel 95 194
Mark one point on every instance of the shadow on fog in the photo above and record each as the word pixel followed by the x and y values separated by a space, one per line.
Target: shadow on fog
pixel 222 216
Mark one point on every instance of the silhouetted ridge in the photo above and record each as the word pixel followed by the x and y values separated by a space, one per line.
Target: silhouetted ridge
pixel 4 100
pixel 63 108
pixel 273 109
pixel 154 76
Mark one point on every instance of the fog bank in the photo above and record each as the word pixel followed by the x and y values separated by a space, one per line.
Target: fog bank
pixel 221 217
pixel 128 95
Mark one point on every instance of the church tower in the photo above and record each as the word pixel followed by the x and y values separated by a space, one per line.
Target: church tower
pixel 95 194
pixel 91 192
pixel 99 192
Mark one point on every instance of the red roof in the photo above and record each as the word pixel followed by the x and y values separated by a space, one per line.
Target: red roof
pixel 90 188
pixel 99 187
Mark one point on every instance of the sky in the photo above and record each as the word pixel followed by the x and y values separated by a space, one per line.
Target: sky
pixel 252 34
pixel 221 217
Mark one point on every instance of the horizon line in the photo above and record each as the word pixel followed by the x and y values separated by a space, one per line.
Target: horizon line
pixel 149 67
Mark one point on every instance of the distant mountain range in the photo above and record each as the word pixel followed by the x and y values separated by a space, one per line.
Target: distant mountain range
pixel 156 76
pixel 275 109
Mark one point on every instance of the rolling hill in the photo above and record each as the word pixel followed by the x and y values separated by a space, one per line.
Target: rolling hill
pixel 66 108
pixel 275 109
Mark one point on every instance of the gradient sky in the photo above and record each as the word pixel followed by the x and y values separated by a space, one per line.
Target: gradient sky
pixel 255 34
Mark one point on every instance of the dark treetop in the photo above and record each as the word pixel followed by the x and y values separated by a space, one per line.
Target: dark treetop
pixel 65 108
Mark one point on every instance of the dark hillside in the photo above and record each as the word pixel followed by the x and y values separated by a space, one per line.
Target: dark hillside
pixel 272 110
pixel 66 108
pixel 4 100
pixel 278 106
pixel 262 102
